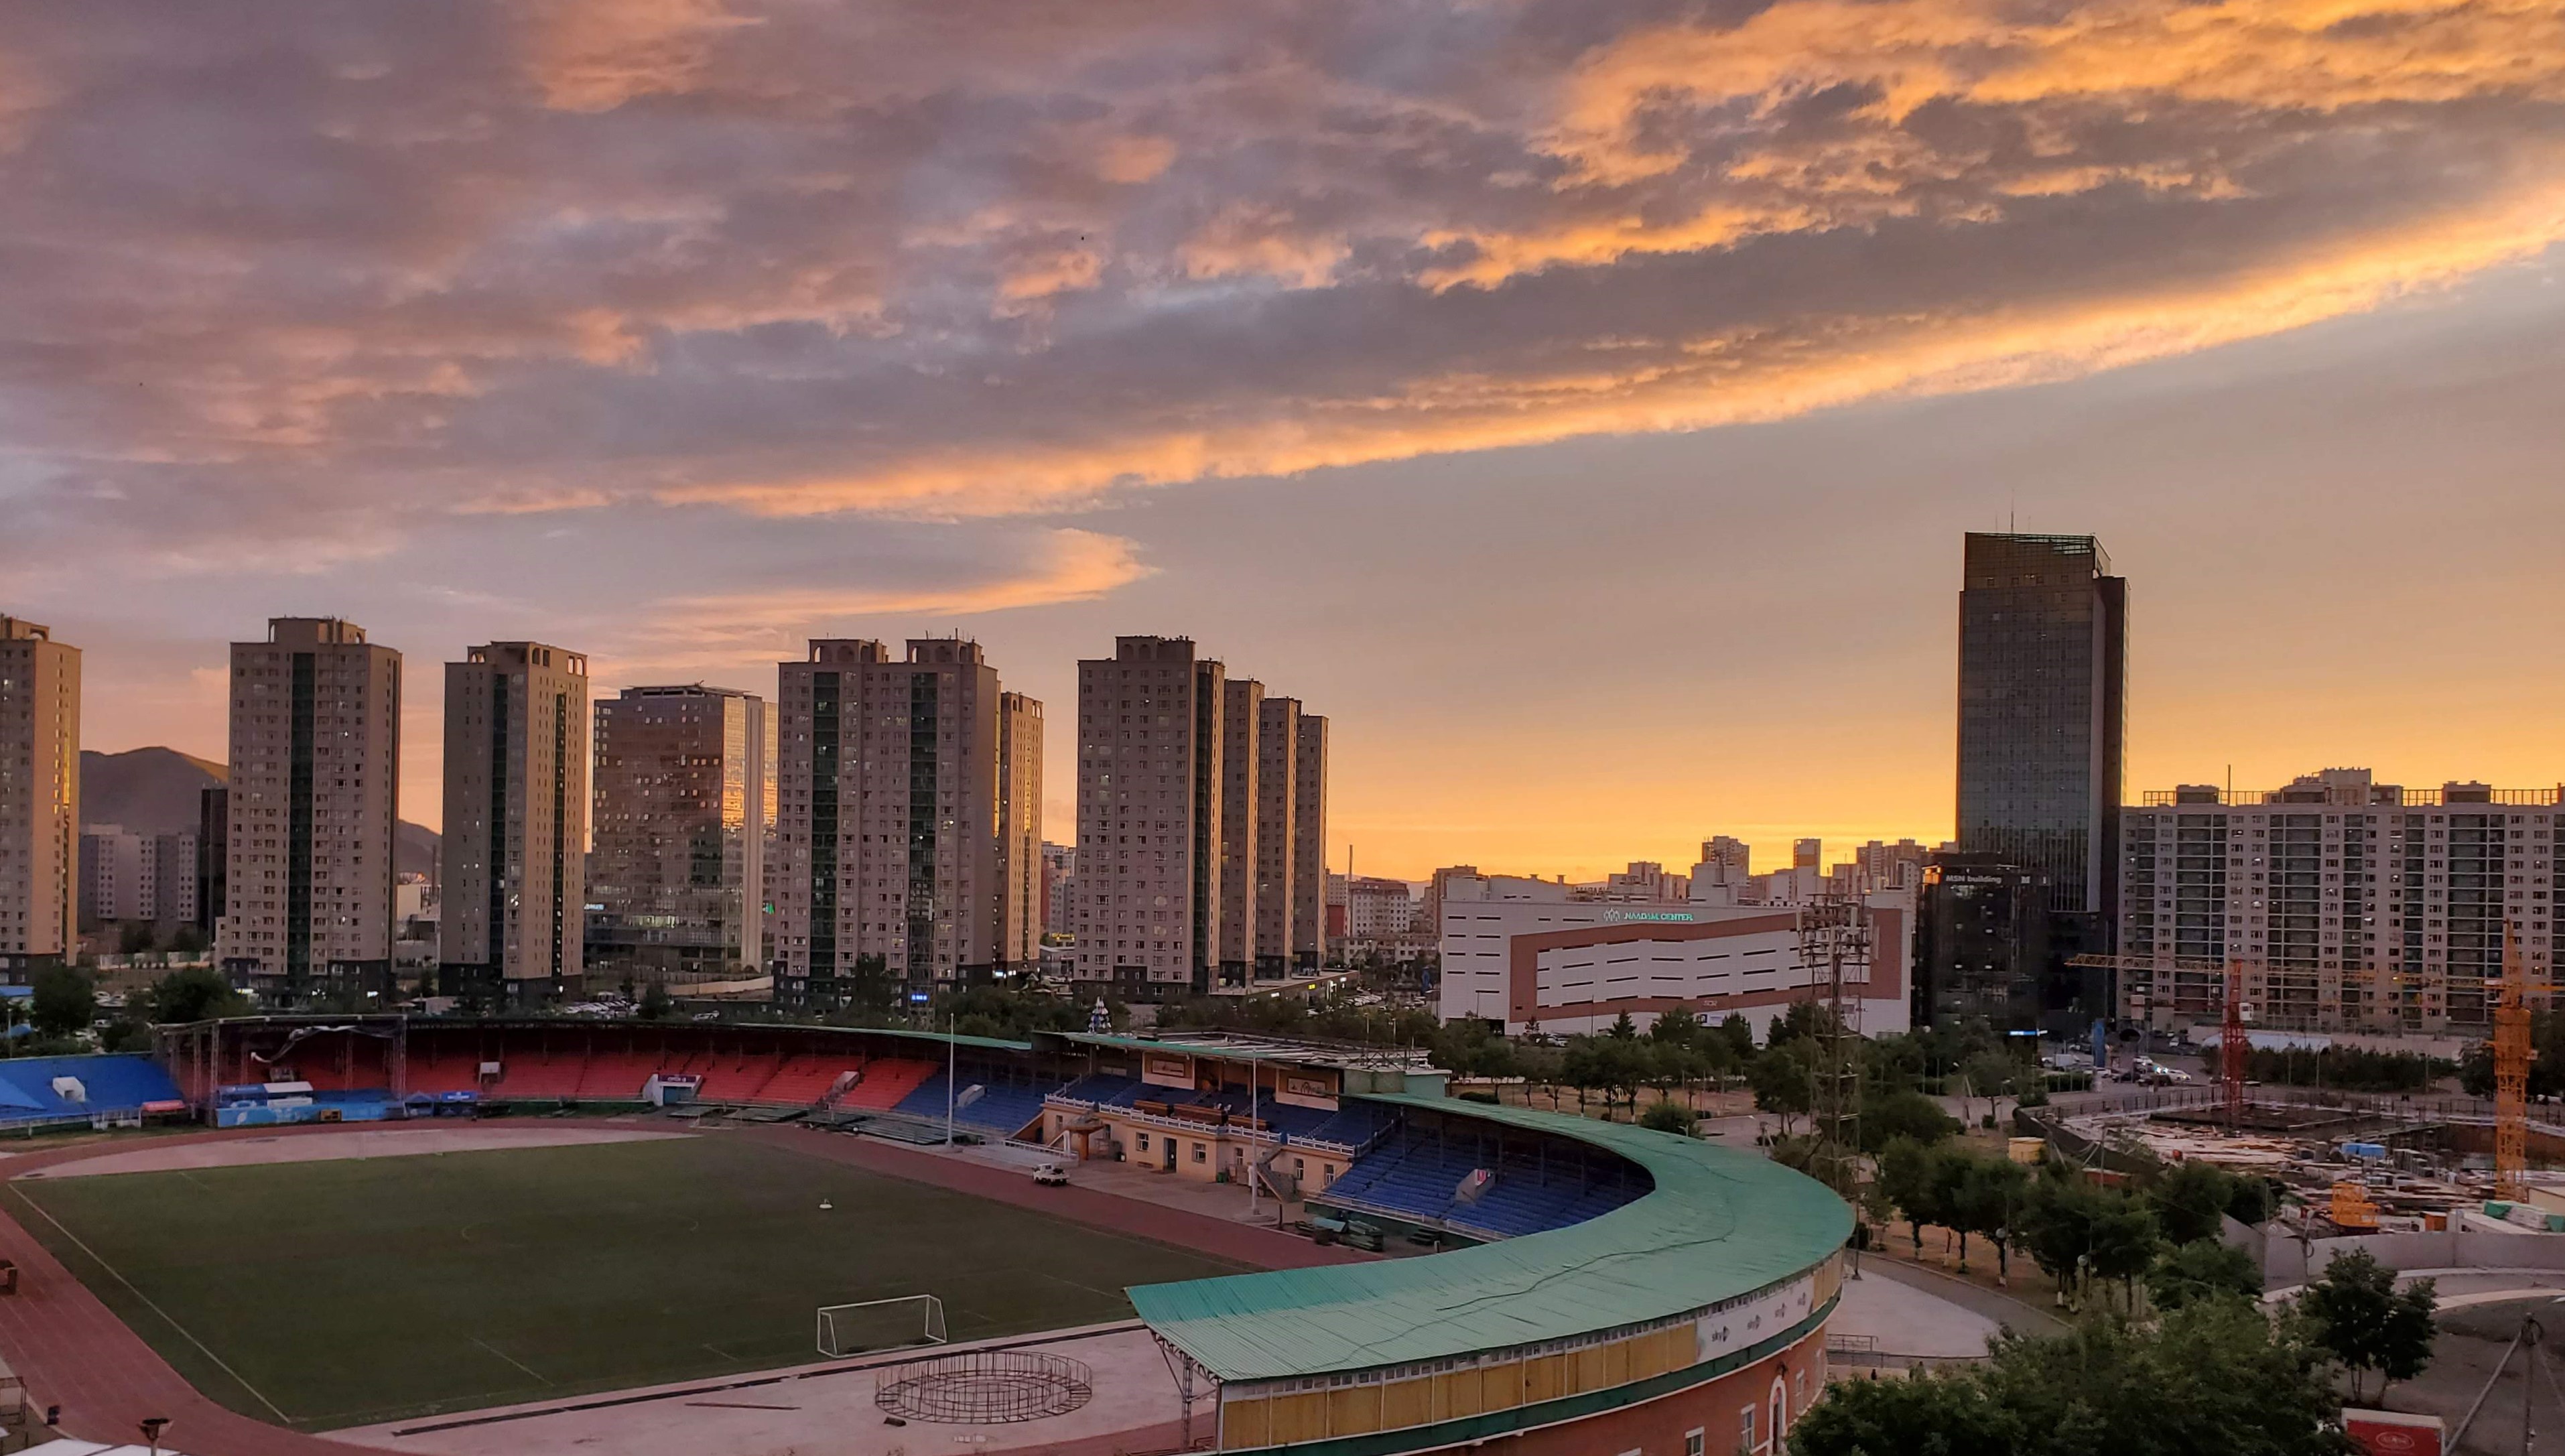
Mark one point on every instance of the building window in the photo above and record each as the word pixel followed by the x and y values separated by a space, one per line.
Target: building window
pixel 1143 1141
pixel 1696 1443
pixel 1746 1429
pixel 1200 1154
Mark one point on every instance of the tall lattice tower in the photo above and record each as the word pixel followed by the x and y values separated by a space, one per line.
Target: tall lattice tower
pixel 2511 1057
pixel 1834 937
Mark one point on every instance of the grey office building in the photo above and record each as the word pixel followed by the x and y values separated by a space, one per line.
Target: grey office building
pixel 2043 658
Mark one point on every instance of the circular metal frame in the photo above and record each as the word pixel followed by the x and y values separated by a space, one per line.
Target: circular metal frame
pixel 986 1387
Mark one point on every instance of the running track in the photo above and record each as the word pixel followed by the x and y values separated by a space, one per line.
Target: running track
pixel 74 1352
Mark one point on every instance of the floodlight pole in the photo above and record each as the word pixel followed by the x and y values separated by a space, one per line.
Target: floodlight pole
pixel 952 1067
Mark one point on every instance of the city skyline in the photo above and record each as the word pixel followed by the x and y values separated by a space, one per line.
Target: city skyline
pixel 1543 370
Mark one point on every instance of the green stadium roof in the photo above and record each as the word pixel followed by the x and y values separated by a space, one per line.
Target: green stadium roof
pixel 1719 1223
pixel 1235 1053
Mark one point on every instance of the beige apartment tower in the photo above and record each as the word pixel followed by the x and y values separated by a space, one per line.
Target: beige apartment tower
pixel 1310 844
pixel 1020 822
pixel 887 875
pixel 40 708
pixel 1240 825
pixel 516 751
pixel 2349 904
pixel 314 804
pixel 1278 751
pixel 1149 721
pixel 678 873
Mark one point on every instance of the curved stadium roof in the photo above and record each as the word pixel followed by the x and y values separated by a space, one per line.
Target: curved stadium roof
pixel 1720 1223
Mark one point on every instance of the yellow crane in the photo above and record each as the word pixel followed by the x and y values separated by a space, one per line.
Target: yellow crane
pixel 2512 1055
pixel 2512 1051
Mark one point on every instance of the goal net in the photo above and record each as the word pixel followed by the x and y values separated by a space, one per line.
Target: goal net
pixel 892 1324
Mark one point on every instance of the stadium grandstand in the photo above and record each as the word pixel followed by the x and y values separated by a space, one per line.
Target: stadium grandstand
pixel 39 1093
pixel 1597 1287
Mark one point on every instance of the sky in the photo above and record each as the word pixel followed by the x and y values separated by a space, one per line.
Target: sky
pixel 1580 404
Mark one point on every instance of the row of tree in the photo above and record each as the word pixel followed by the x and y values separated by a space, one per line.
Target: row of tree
pixel 2213 1373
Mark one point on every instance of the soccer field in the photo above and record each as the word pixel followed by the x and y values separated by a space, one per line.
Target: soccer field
pixel 343 1292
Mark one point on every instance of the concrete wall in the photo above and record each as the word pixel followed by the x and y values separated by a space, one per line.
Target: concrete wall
pixel 2287 1261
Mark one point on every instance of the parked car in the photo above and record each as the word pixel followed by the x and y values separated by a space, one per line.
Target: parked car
pixel 1050 1175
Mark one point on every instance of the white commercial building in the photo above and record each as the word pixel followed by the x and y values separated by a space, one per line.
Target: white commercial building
pixel 315 800
pixel 1537 953
pixel 2349 904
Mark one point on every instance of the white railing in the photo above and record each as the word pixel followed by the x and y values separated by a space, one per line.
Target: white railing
pixel 1223 1127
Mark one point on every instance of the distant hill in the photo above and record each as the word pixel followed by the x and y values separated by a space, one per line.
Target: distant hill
pixel 156 791
pixel 150 791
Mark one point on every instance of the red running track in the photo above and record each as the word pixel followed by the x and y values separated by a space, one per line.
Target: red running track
pixel 73 1352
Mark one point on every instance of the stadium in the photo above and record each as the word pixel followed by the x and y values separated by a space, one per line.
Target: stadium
pixel 488 1238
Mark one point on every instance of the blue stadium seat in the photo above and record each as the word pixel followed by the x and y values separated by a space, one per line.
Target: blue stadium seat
pixel 1001 1109
pixel 1416 1174
pixel 113 1085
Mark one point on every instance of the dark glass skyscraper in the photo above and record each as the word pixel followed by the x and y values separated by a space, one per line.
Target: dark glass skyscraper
pixel 2043 654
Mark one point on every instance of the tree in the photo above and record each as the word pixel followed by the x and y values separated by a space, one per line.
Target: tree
pixel 1988 1074
pixel 1991 1197
pixel 2202 1269
pixel 2359 1316
pixel 656 1002
pixel 2210 1378
pixel 1676 1026
pixel 2215 1377
pixel 65 1001
pixel 1784 1079
pixel 193 993
pixel 1622 1028
pixel 1667 1115
pixel 2190 1200
pixel 1906 1180
pixel 1739 1035
pixel 1908 1114
pixel 1920 1415
pixel 2056 1227
pixel 1953 1166
pixel 136 937
pixel 2125 1241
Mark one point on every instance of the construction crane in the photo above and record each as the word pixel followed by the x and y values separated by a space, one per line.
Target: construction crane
pixel 2512 1052
pixel 2232 1050
pixel 2512 1055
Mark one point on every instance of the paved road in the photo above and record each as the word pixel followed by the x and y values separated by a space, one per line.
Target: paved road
pixel 1993 1306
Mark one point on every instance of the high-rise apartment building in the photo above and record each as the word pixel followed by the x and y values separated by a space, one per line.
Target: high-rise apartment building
pixel 1724 861
pixel 139 878
pixel 1278 840
pixel 1020 824
pixel 314 807
pixel 1241 811
pixel 2043 651
pixel 678 873
pixel 887 820
pixel 2347 903
pixel 213 848
pixel 513 921
pixel 1149 791
pixel 1060 888
pixel 1309 930
pixel 1879 865
pixel 40 706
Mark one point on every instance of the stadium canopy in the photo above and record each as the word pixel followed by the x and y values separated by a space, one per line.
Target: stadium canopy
pixel 1721 1224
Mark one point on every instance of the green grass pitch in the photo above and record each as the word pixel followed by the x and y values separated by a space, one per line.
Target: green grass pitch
pixel 334 1294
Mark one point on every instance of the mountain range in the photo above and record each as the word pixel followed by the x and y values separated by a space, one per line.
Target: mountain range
pixel 156 791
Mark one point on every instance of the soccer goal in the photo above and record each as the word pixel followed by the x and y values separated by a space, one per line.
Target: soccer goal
pixel 892 1324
